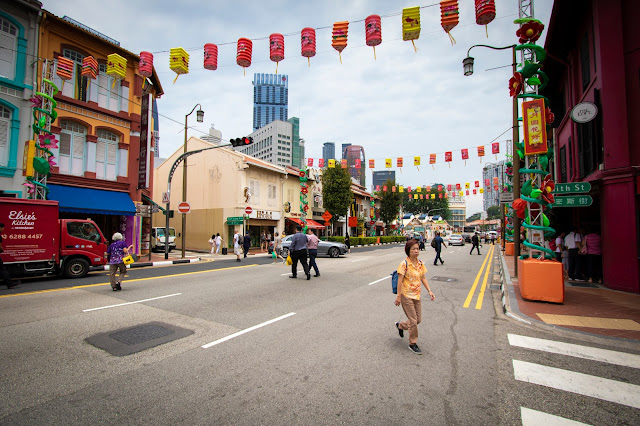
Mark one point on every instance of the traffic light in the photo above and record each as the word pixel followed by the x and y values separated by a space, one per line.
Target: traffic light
pixel 247 140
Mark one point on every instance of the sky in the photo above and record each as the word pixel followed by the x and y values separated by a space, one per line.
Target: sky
pixel 403 103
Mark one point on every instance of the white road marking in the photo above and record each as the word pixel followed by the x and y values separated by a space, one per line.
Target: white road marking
pixel 534 418
pixel 578 351
pixel 289 273
pixel 130 303
pixel 579 383
pixel 359 260
pixel 239 333
pixel 381 279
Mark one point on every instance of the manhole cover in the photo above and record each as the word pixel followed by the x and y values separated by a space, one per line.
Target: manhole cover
pixel 127 341
pixel 445 279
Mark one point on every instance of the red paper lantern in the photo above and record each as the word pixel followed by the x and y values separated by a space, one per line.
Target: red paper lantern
pixel 373 31
pixel 276 48
pixel 485 11
pixel 211 57
pixel 243 58
pixel 64 69
pixel 308 43
pixel 145 66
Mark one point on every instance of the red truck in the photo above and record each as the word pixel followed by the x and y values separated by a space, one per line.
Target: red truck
pixel 37 242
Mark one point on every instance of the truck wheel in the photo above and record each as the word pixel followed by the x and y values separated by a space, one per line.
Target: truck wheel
pixel 76 268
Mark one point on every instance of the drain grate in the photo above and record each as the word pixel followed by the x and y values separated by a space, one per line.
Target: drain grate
pixel 127 341
pixel 445 279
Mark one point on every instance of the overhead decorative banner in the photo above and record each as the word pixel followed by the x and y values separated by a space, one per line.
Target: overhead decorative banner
pixel 401 188
pixel 308 43
pixel 276 48
pixel 411 24
pixel 481 152
pixel 210 56
pixel 373 32
pixel 387 163
pixel 178 61
pixel 399 162
pixel 339 36
pixel 449 17
pixel 343 163
pixel 321 162
pixel 495 148
pixel 332 162
pixel 310 162
pixel 372 164
pixel 358 163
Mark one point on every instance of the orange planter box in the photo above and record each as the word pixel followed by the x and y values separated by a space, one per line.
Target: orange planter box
pixel 508 249
pixel 541 280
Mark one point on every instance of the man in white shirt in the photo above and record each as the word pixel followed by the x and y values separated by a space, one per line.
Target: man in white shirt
pixel 572 242
pixel 237 245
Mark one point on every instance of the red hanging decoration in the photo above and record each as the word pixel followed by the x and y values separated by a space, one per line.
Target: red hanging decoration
pixel 485 12
pixel 276 48
pixel 90 67
pixel 449 17
pixel 211 57
pixel 308 43
pixel 339 36
pixel 243 57
pixel 373 31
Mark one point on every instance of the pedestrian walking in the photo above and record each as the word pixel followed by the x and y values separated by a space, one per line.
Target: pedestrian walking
pixel 476 243
pixel 347 242
pixel 559 246
pixel 4 274
pixel 592 243
pixel 212 242
pixel 277 248
pixel 263 241
pixel 116 251
pixel 411 276
pixel 438 246
pixel 246 244
pixel 237 244
pixel 312 247
pixel 218 243
pixel 572 242
pixel 298 252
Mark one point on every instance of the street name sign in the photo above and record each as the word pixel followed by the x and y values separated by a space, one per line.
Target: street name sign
pixel 235 220
pixel 506 197
pixel 573 201
pixel 572 187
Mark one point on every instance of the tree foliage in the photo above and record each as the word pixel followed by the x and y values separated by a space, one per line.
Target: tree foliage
pixel 389 202
pixel 435 207
pixel 493 212
pixel 475 216
pixel 336 191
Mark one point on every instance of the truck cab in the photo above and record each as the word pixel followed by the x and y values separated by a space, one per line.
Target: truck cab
pixel 158 238
pixel 81 245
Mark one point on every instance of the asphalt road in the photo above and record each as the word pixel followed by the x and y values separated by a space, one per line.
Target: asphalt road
pixel 267 349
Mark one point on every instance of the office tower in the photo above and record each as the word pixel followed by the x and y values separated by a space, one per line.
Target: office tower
pixel 380 177
pixel 328 151
pixel 272 143
pixel 214 136
pixel 491 197
pixel 352 153
pixel 297 143
pixel 344 147
pixel 270 99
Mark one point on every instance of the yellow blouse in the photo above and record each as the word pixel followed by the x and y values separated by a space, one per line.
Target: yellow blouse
pixel 412 278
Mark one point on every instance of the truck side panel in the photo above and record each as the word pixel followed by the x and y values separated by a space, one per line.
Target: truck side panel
pixel 31 232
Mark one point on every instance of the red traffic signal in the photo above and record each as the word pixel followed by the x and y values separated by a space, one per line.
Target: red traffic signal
pixel 247 140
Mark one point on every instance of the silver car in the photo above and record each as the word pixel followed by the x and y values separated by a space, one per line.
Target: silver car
pixel 456 240
pixel 325 248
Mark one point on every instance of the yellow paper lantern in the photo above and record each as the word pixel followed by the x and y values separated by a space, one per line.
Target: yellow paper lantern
pixel 481 190
pixel 419 189
pixel 332 163
pixel 415 196
pixel 178 61
pixel 116 67
pixel 411 24
pixel 387 163
pixel 466 185
pixel 433 196
pixel 401 188
pixel 416 161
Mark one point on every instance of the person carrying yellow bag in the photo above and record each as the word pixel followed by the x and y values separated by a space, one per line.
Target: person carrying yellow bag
pixel 116 253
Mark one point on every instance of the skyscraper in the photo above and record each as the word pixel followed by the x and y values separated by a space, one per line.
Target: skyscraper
pixel 270 99
pixel 272 143
pixel 351 153
pixel 328 151
pixel 344 147
pixel 297 143
pixel 380 177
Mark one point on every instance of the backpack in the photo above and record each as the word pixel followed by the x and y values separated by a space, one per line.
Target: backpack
pixel 394 279
pixel 433 243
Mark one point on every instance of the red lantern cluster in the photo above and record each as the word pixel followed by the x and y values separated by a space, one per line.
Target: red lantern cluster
pixel 211 57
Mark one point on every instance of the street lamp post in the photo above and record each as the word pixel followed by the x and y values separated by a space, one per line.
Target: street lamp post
pixel 467 64
pixel 200 118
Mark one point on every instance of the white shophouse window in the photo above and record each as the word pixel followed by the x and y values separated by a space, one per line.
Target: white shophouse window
pixel 254 188
pixel 8 49
pixel 107 155
pixel 72 146
pixel 109 95
pixel 78 86
pixel 272 195
pixel 5 128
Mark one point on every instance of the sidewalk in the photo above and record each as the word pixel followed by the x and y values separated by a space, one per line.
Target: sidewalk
pixel 588 308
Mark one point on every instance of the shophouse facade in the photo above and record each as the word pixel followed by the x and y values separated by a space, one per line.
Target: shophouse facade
pixel 593 56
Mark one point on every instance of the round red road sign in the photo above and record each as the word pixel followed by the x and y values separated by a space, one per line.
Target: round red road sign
pixel 184 207
pixel 248 210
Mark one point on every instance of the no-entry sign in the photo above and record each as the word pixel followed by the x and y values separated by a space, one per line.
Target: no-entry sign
pixel 248 210
pixel 184 207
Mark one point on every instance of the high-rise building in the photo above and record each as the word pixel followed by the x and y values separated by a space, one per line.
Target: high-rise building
pixel 328 151
pixel 270 99
pixel 344 147
pixel 491 197
pixel 297 143
pixel 272 143
pixel 458 209
pixel 351 153
pixel 380 177
pixel 214 136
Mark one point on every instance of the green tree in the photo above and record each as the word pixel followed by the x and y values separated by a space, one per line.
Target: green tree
pixel 493 212
pixel 475 216
pixel 389 203
pixel 435 207
pixel 336 191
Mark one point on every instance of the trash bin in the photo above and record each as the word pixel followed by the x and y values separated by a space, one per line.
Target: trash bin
pixel 224 250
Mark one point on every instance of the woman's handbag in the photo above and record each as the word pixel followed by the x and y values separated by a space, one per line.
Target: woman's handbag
pixel 128 260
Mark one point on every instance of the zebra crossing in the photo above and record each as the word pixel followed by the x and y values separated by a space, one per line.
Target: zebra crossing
pixel 618 392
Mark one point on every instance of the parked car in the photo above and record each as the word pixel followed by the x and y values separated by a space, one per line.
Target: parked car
pixel 325 248
pixel 456 240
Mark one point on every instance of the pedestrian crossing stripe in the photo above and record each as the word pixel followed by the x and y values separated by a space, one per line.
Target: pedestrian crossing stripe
pixel 578 351
pixel 535 418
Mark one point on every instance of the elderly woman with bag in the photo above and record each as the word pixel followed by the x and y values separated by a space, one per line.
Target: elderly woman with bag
pixel 116 252
pixel 411 276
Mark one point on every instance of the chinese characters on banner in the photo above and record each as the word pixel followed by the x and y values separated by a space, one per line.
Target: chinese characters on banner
pixel 535 132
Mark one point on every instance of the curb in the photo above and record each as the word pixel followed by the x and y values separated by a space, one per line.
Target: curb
pixel 146 264
pixel 506 292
